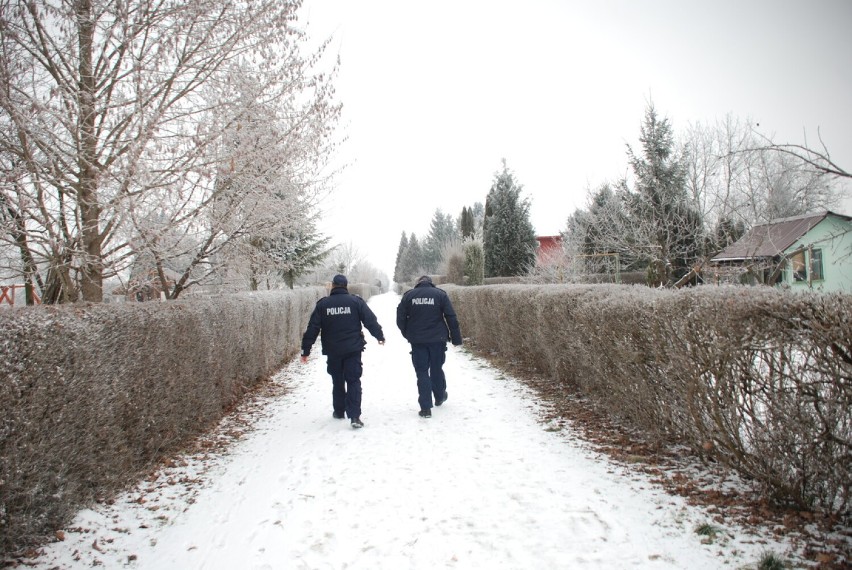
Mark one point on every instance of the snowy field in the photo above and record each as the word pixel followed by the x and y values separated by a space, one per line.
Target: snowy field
pixel 482 484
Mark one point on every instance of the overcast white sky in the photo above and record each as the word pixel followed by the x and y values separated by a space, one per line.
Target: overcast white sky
pixel 436 94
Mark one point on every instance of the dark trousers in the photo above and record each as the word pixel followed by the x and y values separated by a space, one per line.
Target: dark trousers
pixel 428 361
pixel 345 371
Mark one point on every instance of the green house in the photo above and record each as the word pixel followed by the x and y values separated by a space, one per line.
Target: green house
pixel 813 251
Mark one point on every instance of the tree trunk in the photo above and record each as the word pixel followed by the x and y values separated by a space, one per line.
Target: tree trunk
pixel 19 234
pixel 58 287
pixel 87 191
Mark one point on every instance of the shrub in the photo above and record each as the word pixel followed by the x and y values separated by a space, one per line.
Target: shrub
pixel 757 378
pixel 474 262
pixel 93 395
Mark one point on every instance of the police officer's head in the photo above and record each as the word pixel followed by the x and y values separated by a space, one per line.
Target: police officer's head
pixel 339 281
pixel 424 279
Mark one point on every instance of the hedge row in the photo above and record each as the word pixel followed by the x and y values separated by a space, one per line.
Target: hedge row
pixel 758 378
pixel 93 395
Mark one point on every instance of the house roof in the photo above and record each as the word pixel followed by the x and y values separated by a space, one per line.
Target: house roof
pixel 547 244
pixel 545 241
pixel 770 240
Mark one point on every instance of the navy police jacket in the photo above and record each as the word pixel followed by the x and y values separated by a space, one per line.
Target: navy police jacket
pixel 425 315
pixel 339 317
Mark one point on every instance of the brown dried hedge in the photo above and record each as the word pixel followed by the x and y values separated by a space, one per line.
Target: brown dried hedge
pixel 93 395
pixel 758 378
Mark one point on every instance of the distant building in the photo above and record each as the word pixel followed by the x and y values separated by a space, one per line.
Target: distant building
pixel 813 251
pixel 549 249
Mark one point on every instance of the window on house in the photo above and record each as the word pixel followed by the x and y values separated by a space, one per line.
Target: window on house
pixel 797 265
pixel 816 265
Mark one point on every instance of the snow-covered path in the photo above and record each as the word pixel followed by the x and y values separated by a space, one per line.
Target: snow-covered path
pixel 482 484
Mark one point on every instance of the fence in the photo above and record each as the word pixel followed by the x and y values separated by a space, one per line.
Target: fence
pixel 7 295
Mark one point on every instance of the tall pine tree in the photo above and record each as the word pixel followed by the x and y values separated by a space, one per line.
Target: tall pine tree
pixel 508 236
pixel 412 262
pixel 466 223
pixel 659 206
pixel 442 231
pixel 398 276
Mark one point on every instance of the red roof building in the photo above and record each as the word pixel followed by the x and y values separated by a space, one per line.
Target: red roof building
pixel 549 247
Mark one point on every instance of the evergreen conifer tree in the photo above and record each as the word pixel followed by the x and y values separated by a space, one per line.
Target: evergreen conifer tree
pixel 442 231
pixel 398 276
pixel 412 263
pixel 474 262
pixel 309 250
pixel 292 254
pixel 659 206
pixel 508 236
pixel 466 225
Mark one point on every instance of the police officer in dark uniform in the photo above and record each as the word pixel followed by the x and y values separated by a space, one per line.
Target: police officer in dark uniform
pixel 426 319
pixel 338 317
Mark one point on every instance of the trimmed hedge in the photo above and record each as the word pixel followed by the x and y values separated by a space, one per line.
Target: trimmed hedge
pixel 93 395
pixel 758 378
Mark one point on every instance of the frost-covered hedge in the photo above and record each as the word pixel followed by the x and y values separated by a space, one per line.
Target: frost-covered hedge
pixel 363 290
pixel 759 378
pixel 92 395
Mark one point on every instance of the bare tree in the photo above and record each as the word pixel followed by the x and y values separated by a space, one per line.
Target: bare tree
pixel 365 272
pixel 344 257
pixel 819 161
pixel 154 128
pixel 731 180
pixel 734 177
pixel 251 218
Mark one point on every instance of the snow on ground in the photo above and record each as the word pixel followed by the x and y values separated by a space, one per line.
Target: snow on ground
pixel 482 484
